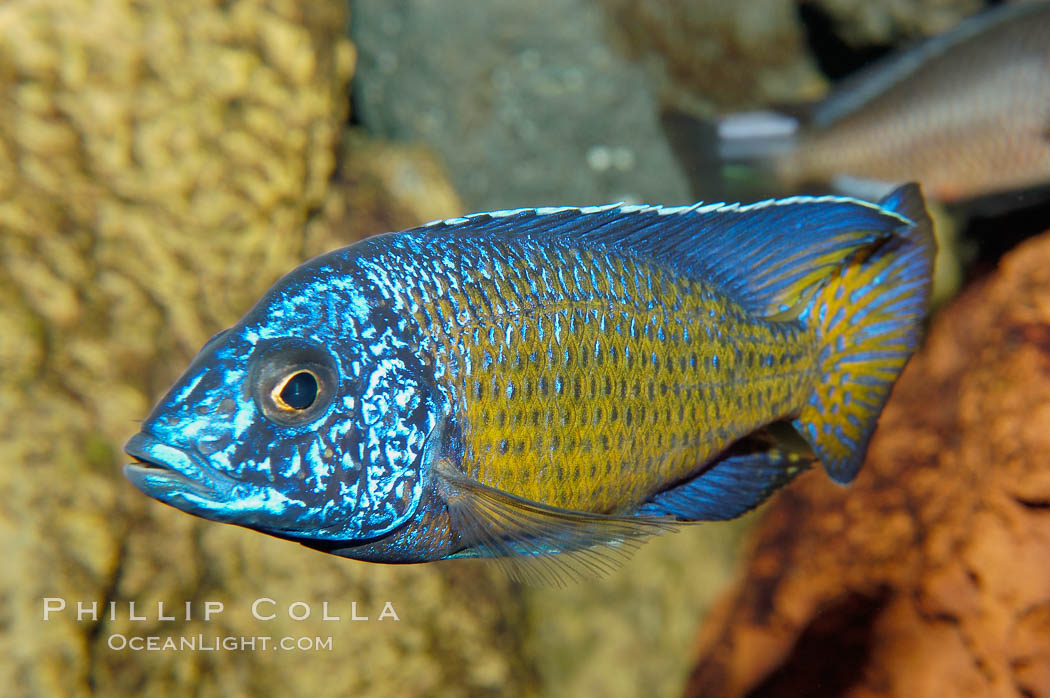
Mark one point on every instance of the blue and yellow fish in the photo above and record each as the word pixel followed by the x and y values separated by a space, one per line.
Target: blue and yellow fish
pixel 547 385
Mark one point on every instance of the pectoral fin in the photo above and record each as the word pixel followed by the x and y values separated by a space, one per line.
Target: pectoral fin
pixel 730 487
pixel 536 543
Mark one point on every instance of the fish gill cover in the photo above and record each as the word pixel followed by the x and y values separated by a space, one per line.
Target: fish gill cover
pixel 547 387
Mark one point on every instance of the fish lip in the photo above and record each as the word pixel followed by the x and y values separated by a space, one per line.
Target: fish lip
pixel 164 471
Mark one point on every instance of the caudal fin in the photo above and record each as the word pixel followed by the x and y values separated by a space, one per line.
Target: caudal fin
pixel 869 318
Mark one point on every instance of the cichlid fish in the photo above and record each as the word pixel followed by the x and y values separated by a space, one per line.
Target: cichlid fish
pixel 966 113
pixel 520 384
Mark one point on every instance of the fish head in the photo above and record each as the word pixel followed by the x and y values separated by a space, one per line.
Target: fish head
pixel 305 420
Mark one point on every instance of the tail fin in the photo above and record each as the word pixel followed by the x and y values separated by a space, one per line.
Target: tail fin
pixel 869 318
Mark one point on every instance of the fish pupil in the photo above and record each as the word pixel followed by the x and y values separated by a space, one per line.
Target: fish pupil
pixel 300 391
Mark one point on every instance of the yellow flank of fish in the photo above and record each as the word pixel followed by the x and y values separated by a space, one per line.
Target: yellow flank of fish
pixel 549 387
pixel 631 380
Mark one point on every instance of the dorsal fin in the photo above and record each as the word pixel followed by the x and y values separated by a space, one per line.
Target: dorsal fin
pixel 765 255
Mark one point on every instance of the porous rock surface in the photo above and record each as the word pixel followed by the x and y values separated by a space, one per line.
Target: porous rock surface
pixel 929 575
pixel 161 164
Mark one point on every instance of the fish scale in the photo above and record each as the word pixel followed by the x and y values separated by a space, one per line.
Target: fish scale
pixel 590 382
pixel 547 385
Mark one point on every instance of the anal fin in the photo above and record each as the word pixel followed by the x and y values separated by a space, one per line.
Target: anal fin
pixel 731 487
pixel 536 543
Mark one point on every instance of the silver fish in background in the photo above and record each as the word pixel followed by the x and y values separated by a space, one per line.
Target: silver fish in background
pixel 966 113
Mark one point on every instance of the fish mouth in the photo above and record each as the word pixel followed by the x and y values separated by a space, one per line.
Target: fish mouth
pixel 166 472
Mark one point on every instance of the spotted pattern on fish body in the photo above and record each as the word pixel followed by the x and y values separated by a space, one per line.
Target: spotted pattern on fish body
pixel 547 384
pixel 587 382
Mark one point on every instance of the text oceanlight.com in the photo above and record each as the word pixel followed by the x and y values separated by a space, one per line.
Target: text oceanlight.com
pixel 217 643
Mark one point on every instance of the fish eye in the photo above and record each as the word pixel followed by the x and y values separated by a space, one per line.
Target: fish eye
pixel 297 392
pixel 292 380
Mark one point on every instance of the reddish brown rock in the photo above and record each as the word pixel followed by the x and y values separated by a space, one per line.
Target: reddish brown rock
pixel 930 575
